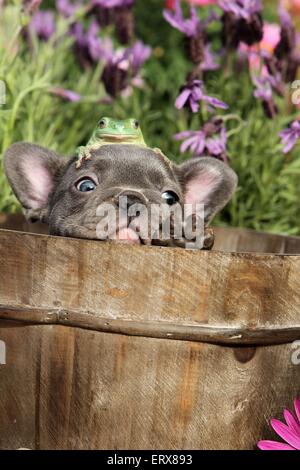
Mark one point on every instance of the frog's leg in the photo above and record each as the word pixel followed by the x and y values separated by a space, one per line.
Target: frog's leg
pixel 95 146
pixel 209 238
pixel 83 153
pixel 159 152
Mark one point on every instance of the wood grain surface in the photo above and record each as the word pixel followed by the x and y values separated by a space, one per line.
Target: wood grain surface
pixel 123 347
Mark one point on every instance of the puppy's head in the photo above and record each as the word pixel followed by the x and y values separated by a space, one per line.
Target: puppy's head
pixel 70 200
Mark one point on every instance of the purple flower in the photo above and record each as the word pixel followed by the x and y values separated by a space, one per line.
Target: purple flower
pixel 192 93
pixel 123 67
pixel 285 18
pixel 131 58
pixel 286 51
pixel 195 32
pixel 68 8
pixel 288 39
pixel 264 93
pixel 43 24
pixel 290 136
pixel 242 22
pixel 209 60
pixel 210 140
pixel 89 46
pixel 264 87
pixel 68 95
pixel 120 13
pixel 113 3
pixel 241 9
pixel 263 90
pixel 115 74
pixel 137 56
pixel 188 26
pixel 99 48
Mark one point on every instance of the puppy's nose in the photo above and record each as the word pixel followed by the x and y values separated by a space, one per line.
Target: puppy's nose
pixel 126 199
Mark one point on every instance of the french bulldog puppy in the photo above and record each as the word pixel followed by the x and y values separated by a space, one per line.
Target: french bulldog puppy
pixel 51 189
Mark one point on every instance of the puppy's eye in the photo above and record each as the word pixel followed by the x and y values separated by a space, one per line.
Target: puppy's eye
pixel 135 124
pixel 102 123
pixel 169 197
pixel 86 185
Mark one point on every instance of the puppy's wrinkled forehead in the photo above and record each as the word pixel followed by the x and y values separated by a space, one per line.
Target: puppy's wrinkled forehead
pixel 127 165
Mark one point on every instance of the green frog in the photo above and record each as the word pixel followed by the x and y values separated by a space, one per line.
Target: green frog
pixel 110 131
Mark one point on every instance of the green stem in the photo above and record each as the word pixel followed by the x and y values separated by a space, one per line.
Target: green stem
pixel 14 111
pixel 9 47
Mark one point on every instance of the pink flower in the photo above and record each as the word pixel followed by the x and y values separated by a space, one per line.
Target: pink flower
pixel 68 95
pixel 170 4
pixel 202 3
pixel 289 432
pixel 294 6
pixel 271 37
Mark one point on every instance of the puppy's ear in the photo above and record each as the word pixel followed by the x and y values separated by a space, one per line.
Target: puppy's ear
pixel 208 181
pixel 32 172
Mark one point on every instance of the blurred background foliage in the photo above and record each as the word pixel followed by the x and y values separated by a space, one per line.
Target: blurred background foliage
pixel 268 195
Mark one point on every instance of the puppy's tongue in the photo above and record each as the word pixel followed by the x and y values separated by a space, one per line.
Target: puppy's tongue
pixel 127 235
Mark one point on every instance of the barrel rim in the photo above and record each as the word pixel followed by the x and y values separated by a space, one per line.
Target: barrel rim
pixel 187 252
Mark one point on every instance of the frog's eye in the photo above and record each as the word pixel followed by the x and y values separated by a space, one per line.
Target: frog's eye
pixel 102 123
pixel 85 185
pixel 170 197
pixel 135 124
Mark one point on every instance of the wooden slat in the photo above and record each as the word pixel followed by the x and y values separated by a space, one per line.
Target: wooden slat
pixel 69 388
pixel 270 335
pixel 243 240
pixel 149 283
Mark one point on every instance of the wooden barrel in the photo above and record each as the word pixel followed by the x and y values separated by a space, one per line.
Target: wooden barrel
pixel 130 347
